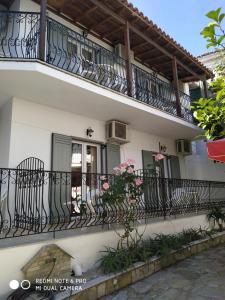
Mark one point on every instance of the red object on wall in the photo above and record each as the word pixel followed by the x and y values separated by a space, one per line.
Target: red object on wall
pixel 216 150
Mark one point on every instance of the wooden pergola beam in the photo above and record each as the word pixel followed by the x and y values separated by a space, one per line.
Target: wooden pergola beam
pixel 86 14
pixel 189 79
pixel 128 58
pixel 205 88
pixel 163 50
pixel 154 58
pixel 139 45
pixel 113 32
pixel 63 5
pixel 108 11
pixel 43 24
pixel 141 53
pixel 176 86
pixel 100 23
pixel 142 35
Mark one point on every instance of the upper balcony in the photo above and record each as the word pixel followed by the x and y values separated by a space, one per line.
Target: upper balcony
pixel 36 36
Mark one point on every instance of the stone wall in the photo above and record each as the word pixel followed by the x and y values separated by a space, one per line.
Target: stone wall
pixel 50 262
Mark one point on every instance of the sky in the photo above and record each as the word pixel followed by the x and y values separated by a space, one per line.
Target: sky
pixel 181 19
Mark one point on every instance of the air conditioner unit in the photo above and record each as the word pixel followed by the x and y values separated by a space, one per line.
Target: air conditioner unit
pixel 184 147
pixel 116 132
pixel 119 50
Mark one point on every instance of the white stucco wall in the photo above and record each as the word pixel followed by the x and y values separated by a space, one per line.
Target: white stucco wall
pixel 33 125
pixel 198 166
pixel 5 133
pixel 141 141
pixel 85 248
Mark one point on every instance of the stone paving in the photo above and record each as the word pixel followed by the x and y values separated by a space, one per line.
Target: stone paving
pixel 201 277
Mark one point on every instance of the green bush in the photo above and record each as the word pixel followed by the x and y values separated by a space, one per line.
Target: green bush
pixel 120 259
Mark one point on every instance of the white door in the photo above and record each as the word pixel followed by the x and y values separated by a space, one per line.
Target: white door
pixel 85 167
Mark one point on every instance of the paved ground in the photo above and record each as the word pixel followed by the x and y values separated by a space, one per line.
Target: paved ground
pixel 201 277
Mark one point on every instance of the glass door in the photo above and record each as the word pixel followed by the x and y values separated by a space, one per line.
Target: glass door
pixel 85 165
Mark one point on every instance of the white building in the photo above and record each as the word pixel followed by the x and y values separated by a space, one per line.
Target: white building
pixel 211 60
pixel 64 75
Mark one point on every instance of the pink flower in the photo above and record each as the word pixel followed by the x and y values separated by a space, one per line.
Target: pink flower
pixel 123 165
pixel 130 170
pixel 116 170
pixel 132 201
pixel 138 181
pixel 105 186
pixel 130 161
pixel 159 156
pixel 103 178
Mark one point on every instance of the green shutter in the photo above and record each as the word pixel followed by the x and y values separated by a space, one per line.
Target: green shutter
pixel 61 152
pixel 148 162
pixel 60 191
pixel 175 167
pixel 196 93
pixel 112 157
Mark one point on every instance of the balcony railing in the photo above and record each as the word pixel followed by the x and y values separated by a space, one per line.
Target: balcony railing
pixel 70 51
pixel 38 201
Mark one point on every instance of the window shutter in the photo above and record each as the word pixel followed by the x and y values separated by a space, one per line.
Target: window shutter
pixel 196 93
pixel 148 162
pixel 61 152
pixel 112 157
pixel 60 191
pixel 175 167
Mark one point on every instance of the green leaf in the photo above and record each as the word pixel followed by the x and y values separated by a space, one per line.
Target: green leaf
pixel 219 41
pixel 214 14
pixel 221 17
pixel 210 45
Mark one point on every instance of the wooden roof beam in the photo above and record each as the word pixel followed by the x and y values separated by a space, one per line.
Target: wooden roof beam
pixel 148 51
pixel 107 33
pixel 189 79
pixel 142 35
pixel 93 28
pixel 61 8
pixel 153 43
pixel 139 45
pixel 92 9
pixel 156 57
pixel 108 11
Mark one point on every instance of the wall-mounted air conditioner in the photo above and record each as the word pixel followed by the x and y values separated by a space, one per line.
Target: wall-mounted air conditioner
pixel 116 132
pixel 184 147
pixel 119 50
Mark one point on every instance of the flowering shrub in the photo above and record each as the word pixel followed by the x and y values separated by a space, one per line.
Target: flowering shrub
pixel 124 191
pixel 124 187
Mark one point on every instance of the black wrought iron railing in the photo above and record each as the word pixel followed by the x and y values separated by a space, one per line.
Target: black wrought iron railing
pixel 72 52
pixel 19 35
pixel 34 202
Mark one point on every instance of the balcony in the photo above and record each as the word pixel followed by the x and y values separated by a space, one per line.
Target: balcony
pixel 73 53
pixel 38 201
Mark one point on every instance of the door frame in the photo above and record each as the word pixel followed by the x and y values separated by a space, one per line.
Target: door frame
pixel 84 145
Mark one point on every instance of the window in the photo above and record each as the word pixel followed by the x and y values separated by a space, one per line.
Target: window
pixel 87 54
pixel 71 47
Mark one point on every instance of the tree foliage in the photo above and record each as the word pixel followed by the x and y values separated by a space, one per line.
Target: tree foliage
pixel 210 113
